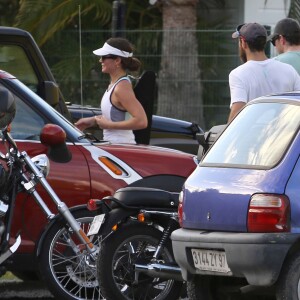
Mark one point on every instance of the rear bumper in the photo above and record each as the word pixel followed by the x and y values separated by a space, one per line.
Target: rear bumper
pixel 256 256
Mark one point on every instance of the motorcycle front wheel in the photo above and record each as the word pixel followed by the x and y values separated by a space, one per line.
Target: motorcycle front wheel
pixel 64 264
pixel 131 244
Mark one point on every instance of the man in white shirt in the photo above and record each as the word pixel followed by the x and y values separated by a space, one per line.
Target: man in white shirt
pixel 258 76
pixel 286 39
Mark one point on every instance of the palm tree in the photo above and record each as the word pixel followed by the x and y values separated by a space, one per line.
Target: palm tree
pixel 295 9
pixel 43 18
pixel 179 84
pixel 8 10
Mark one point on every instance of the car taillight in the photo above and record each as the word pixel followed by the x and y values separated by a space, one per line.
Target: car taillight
pixel 180 209
pixel 269 213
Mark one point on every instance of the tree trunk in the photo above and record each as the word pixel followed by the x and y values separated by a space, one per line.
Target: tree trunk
pixel 179 84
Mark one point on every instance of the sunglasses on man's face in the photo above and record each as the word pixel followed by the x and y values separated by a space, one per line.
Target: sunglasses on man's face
pixel 238 29
pixel 274 39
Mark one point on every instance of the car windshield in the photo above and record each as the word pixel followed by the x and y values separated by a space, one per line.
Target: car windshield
pixel 258 137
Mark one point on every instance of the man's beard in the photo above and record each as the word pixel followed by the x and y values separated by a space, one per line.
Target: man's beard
pixel 243 55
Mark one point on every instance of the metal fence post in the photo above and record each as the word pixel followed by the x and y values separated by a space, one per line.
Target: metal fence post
pixel 118 18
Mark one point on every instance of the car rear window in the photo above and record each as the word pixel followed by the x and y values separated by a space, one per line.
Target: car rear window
pixel 258 137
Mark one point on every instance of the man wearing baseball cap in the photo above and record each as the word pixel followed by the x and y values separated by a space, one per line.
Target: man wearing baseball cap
pixel 286 40
pixel 258 75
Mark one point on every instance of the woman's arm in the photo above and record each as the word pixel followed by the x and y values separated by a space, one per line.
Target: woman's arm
pixel 85 123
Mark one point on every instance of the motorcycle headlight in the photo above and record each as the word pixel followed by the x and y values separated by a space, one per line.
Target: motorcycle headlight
pixel 42 163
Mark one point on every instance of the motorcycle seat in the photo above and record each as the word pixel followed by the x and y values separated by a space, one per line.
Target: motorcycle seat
pixel 146 197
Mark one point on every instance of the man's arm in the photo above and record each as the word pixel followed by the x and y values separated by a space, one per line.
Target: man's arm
pixel 235 108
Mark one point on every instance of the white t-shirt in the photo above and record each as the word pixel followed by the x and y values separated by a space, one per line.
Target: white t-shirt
pixel 259 78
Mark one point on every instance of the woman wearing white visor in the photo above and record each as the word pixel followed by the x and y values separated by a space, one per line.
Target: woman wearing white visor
pixel 121 111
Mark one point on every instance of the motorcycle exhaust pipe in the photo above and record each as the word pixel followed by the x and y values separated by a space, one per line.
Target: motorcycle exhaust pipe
pixel 160 271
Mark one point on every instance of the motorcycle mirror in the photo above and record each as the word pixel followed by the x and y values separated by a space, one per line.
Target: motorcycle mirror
pixel 54 138
pixel 7 107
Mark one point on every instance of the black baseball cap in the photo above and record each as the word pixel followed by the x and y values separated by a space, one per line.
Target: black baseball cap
pixel 286 27
pixel 250 31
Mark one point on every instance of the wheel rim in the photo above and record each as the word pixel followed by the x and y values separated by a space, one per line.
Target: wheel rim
pixel 71 266
pixel 139 249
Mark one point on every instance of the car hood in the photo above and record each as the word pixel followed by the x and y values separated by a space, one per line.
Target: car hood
pixel 147 160
pixel 218 198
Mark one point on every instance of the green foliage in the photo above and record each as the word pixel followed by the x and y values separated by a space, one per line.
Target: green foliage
pixel 8 10
pixel 295 10
pixel 48 17
pixel 55 26
pixel 141 15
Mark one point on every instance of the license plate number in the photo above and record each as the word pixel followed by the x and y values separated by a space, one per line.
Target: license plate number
pixel 96 224
pixel 210 260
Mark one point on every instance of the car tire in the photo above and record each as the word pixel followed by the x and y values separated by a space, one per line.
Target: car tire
pixel 199 288
pixel 288 284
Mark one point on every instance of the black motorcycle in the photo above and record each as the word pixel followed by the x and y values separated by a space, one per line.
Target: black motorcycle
pixel 66 255
pixel 136 260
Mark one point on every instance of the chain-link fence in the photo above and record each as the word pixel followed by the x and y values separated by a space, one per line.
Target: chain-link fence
pixel 217 56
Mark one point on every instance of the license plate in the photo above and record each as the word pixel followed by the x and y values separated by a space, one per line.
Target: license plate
pixel 96 224
pixel 210 260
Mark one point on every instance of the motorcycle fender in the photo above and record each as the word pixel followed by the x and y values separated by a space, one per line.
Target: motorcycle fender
pixel 57 218
pixel 115 216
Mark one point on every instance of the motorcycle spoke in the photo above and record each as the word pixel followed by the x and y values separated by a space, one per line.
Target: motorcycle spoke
pixel 60 259
pixel 148 288
pixel 72 266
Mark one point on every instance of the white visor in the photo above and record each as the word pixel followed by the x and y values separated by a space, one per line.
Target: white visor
pixel 107 49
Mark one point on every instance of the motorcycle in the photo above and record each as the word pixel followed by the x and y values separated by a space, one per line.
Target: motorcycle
pixel 136 260
pixel 67 256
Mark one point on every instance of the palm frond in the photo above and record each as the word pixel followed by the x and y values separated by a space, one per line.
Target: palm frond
pixel 57 14
pixel 295 10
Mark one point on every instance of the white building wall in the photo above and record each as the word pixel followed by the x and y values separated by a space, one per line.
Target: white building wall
pixel 266 12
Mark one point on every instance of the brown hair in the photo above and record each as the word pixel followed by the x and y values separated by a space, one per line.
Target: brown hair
pixel 128 63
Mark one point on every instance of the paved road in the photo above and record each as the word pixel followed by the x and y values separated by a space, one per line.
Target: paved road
pixel 29 290
pixel 15 289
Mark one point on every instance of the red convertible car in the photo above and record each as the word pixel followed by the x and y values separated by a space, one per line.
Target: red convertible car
pixel 97 169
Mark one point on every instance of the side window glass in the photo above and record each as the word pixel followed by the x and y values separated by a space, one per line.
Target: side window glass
pixel 14 60
pixel 27 124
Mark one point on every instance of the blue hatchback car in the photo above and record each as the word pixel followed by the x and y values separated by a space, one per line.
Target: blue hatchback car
pixel 240 209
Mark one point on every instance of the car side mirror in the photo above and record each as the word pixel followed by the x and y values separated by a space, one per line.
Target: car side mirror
pixel 200 137
pixel 206 139
pixel 54 138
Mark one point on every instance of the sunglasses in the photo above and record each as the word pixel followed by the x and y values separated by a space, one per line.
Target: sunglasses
pixel 237 30
pixel 108 57
pixel 274 39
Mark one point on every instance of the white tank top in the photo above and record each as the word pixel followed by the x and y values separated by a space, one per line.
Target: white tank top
pixel 112 113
